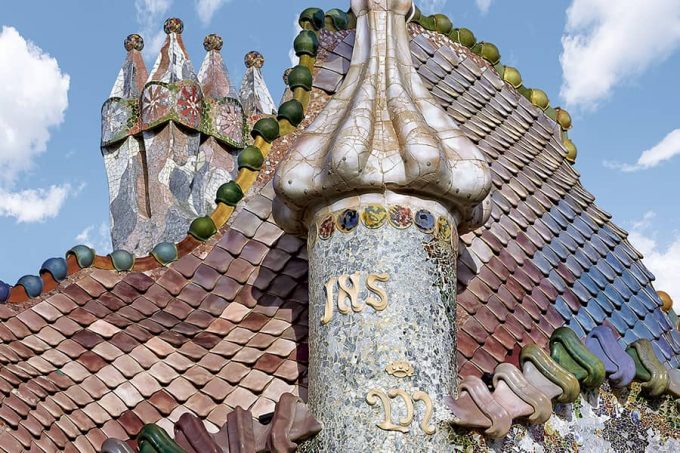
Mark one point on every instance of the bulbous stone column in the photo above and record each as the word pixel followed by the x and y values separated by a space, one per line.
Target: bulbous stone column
pixel 382 183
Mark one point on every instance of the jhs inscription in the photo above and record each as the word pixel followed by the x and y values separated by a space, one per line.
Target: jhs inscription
pixel 348 289
pixel 387 424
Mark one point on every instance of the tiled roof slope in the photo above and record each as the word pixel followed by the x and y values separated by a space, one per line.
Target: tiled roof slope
pixel 548 256
pixel 224 326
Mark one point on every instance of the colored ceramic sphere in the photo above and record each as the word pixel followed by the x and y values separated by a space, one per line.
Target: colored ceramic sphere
pixel 267 128
pixel 563 118
pixel 512 76
pixel 311 18
pixel 229 194
pixel 84 255
pixel 666 301
pixel 539 98
pixel 203 228
pixel 254 59
pixel 56 267
pixel 213 42
pixel 572 151
pixel 4 292
pixel 250 158
pixel 306 43
pixel 488 51
pixel 463 36
pixel 338 18
pixel 442 23
pixel 173 25
pixel 292 111
pixel 32 284
pixel 134 42
pixel 300 77
pixel 165 253
pixel 122 261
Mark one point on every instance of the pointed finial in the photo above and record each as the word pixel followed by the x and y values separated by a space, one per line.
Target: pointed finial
pixel 254 59
pixel 173 25
pixel 213 42
pixel 134 42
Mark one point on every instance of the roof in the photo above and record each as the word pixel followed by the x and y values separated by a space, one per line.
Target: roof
pixel 226 324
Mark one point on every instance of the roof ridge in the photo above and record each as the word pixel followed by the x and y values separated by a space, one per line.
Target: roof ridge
pixel 250 161
pixel 441 23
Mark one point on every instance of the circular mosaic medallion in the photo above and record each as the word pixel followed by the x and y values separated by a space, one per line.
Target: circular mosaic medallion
pixel 425 221
pixel 400 217
pixel 348 220
pixel 326 228
pixel 443 229
pixel 374 216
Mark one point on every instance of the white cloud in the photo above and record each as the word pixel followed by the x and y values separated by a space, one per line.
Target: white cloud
pixel 663 261
pixel 665 150
pixel 97 237
pixel 206 9
pixel 34 205
pixel 432 6
pixel 483 5
pixel 607 43
pixel 33 99
pixel 150 17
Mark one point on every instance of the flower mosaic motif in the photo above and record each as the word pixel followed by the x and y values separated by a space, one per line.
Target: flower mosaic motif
pixel 374 216
pixel 189 104
pixel 425 221
pixel 115 117
pixel 400 217
pixel 348 220
pixel 229 121
pixel 326 228
pixel 155 103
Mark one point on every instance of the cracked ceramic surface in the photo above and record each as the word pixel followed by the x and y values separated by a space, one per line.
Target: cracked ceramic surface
pixel 382 132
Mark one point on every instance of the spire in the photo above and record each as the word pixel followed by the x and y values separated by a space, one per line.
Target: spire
pixel 117 116
pixel 133 74
pixel 213 75
pixel 173 63
pixel 254 93
pixel 383 132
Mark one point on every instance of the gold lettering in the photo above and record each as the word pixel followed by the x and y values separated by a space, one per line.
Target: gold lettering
pixel 425 422
pixel 408 419
pixel 349 287
pixel 380 303
pixel 376 395
pixel 330 301
pixel 372 399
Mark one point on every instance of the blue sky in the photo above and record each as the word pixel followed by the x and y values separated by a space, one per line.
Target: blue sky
pixel 612 63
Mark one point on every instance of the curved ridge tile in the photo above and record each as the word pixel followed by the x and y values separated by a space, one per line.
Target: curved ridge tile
pixel 517 408
pixel 192 436
pixel 116 446
pixel 619 366
pixel 553 371
pixel 467 413
pixel 513 377
pixel 674 382
pixel 646 360
pixel 479 392
pixel 541 382
pixel 566 349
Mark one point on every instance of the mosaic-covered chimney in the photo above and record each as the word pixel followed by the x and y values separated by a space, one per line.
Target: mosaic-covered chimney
pixel 382 183
pixel 169 140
